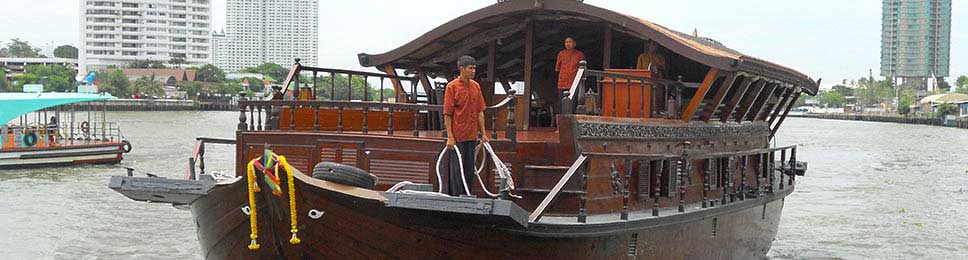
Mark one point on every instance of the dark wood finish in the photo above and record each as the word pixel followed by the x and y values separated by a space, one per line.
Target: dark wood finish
pixel 713 105
pixel 700 94
pixel 528 73
pixel 738 95
pixel 747 101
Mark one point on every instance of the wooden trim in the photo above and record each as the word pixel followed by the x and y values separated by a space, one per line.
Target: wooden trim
pixel 711 77
pixel 785 93
pixel 538 212
pixel 738 94
pixel 718 99
pixel 397 86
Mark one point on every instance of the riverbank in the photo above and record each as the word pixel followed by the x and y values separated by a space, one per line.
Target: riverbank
pixel 961 123
pixel 158 105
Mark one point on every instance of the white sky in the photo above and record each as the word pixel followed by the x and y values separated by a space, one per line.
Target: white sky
pixel 830 39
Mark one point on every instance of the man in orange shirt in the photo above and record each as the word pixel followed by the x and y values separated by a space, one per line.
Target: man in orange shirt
pixel 463 117
pixel 567 64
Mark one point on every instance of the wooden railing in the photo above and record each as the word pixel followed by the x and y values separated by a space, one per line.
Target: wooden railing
pixel 662 98
pixel 265 115
pixel 400 85
pixel 681 165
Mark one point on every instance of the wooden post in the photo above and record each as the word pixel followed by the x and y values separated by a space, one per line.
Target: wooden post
pixel 489 85
pixel 242 126
pixel 607 50
pixel 397 86
pixel 700 94
pixel 528 74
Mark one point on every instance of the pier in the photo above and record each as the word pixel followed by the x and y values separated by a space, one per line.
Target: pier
pixel 959 123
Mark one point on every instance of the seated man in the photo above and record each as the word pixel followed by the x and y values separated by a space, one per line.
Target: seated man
pixel 652 60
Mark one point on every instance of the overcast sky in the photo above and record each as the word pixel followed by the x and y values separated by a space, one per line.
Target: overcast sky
pixel 830 39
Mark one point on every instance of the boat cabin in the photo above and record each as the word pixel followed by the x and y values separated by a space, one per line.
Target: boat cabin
pixel 624 136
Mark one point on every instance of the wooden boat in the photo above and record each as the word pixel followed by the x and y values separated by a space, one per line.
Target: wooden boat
pixel 50 131
pixel 632 166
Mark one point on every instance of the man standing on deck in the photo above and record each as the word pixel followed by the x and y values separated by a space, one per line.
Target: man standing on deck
pixel 463 117
pixel 567 65
pixel 653 61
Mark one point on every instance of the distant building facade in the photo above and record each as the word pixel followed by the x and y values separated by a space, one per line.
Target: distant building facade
pixel 118 32
pixel 17 66
pixel 259 31
pixel 916 39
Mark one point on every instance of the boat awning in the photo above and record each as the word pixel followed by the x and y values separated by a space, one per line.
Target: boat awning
pixel 13 105
pixel 498 21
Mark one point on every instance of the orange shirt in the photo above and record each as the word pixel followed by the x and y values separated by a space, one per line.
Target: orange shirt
pixel 567 67
pixel 463 101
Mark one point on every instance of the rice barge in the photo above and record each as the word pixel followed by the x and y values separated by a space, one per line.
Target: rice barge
pixel 629 163
pixel 46 129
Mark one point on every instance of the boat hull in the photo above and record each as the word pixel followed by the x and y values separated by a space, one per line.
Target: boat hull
pixel 108 153
pixel 356 228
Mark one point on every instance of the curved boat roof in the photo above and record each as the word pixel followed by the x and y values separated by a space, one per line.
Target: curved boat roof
pixel 15 104
pixel 701 50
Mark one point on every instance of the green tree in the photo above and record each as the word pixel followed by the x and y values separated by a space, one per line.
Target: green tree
pixel 962 85
pixel 66 51
pixel 344 87
pixel 177 62
pixel 114 82
pixel 844 90
pixel 209 73
pixel 832 99
pixel 905 101
pixel 21 49
pixel 146 64
pixel 4 84
pixel 945 109
pixel 276 73
pixel 148 86
pixel 58 78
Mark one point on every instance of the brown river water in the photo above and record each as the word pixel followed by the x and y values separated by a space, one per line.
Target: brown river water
pixel 872 191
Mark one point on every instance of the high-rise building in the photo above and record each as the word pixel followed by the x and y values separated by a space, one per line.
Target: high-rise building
pixel 118 32
pixel 260 31
pixel 220 43
pixel 916 39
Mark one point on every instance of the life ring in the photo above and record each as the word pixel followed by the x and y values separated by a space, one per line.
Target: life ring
pixel 85 127
pixel 126 146
pixel 30 139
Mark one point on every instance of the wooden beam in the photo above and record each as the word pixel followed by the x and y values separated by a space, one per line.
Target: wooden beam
pixel 425 82
pixel 780 106
pixel 528 81
pixel 505 84
pixel 762 102
pixel 700 94
pixel 607 50
pixel 774 107
pixel 397 86
pixel 489 85
pixel 793 101
pixel 747 102
pixel 737 95
pixel 538 212
pixel 718 98
pixel 759 98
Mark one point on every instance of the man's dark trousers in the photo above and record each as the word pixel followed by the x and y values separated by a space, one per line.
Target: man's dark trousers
pixel 466 149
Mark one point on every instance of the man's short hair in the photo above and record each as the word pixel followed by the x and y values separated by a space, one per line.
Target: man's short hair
pixel 465 61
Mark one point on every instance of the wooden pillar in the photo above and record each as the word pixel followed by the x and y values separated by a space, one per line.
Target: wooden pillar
pixel 607 49
pixel 700 94
pixel 528 74
pixel 397 86
pixel 490 80
pixel 718 99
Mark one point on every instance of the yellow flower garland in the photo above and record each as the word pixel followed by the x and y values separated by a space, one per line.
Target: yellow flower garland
pixel 253 188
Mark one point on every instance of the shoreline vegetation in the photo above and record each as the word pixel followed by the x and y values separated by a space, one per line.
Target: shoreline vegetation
pixel 889 118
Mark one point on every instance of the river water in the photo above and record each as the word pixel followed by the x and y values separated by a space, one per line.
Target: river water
pixel 872 191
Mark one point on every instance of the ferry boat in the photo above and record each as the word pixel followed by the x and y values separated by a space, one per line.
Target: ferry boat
pixel 625 165
pixel 57 129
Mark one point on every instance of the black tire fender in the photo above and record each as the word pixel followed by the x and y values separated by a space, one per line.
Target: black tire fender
pixel 30 139
pixel 126 146
pixel 344 174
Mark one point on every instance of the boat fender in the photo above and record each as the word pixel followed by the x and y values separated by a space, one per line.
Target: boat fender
pixel 30 139
pixel 85 127
pixel 126 146
pixel 344 174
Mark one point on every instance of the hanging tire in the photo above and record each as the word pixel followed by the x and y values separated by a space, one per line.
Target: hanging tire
pixel 85 127
pixel 126 146
pixel 344 174
pixel 30 139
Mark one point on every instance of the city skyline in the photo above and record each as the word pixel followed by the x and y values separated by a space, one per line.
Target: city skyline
pixel 826 39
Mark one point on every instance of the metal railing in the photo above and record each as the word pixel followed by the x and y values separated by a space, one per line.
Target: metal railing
pixel 680 166
pixel 197 160
pixel 340 76
pixel 656 97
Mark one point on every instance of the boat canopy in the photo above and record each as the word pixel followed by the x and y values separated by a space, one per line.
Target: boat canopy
pixel 506 22
pixel 13 105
